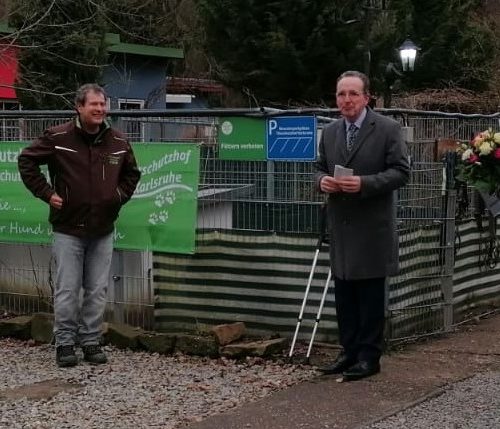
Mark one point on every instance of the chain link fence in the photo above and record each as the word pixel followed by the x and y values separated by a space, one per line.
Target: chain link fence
pixel 266 212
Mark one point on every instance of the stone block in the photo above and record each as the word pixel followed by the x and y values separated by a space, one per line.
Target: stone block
pixel 227 333
pixel 123 336
pixel 157 342
pixel 261 348
pixel 198 345
pixel 42 327
pixel 16 327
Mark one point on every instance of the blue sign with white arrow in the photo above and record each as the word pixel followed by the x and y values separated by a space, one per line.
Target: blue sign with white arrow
pixel 291 138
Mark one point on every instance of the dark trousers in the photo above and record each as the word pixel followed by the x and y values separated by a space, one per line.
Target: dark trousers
pixel 360 306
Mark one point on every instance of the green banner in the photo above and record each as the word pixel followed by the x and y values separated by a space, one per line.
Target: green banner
pixel 161 216
pixel 242 139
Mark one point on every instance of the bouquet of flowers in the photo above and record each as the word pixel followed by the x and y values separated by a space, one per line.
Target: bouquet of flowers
pixel 480 162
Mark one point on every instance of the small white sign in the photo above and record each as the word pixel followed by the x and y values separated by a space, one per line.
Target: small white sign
pixel 226 128
pixel 341 171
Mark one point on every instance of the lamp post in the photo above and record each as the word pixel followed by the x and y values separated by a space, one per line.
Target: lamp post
pixel 407 54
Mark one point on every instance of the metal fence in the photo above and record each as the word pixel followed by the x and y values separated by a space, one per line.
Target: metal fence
pixel 242 202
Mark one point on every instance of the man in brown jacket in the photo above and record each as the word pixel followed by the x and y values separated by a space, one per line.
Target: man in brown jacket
pixel 361 220
pixel 92 172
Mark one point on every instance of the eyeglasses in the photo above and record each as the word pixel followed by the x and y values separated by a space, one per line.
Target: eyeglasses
pixel 350 94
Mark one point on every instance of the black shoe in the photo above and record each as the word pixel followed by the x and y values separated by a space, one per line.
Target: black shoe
pixel 94 354
pixel 342 363
pixel 361 370
pixel 65 356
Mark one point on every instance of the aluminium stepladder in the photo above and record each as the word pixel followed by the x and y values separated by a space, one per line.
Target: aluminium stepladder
pixel 322 241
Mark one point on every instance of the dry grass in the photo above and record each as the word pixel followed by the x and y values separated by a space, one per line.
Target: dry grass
pixel 451 100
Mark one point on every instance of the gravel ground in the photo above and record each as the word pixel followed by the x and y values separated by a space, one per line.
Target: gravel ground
pixel 134 390
pixel 470 404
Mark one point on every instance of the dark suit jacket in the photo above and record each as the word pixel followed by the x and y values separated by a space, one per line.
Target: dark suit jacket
pixel 364 242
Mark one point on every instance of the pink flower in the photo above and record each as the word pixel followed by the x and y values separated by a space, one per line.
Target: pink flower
pixel 496 153
pixel 473 158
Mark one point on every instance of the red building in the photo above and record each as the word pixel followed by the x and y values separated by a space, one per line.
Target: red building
pixel 8 70
pixel 9 128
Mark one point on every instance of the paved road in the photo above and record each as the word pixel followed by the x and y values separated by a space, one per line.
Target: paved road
pixel 440 375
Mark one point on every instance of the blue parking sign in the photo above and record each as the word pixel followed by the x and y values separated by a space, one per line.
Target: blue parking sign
pixel 291 138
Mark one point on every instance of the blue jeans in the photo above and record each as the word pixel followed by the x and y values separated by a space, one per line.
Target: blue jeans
pixel 82 264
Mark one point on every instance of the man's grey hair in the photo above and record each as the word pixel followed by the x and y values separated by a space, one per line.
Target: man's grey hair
pixel 358 74
pixel 81 93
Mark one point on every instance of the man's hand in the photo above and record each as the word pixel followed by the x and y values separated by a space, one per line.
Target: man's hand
pixel 56 201
pixel 329 184
pixel 351 184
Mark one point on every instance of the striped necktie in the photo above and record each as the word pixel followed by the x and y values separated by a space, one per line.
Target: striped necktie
pixel 352 132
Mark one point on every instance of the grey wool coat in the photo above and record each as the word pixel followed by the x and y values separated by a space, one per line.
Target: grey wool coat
pixel 362 226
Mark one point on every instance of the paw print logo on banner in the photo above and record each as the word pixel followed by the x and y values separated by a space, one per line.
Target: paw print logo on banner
pixel 157 218
pixel 162 199
pixel 165 198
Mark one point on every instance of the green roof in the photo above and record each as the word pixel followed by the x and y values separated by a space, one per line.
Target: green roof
pixel 150 51
pixel 115 45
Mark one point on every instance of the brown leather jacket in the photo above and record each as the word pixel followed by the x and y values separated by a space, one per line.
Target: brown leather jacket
pixel 94 178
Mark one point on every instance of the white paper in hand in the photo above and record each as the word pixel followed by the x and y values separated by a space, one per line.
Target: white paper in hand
pixel 342 171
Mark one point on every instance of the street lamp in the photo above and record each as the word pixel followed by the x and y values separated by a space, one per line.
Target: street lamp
pixel 407 53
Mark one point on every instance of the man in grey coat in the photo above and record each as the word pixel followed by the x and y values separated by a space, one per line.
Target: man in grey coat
pixel 361 219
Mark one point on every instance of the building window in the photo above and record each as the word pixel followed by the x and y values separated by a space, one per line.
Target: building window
pixel 9 127
pixel 133 127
